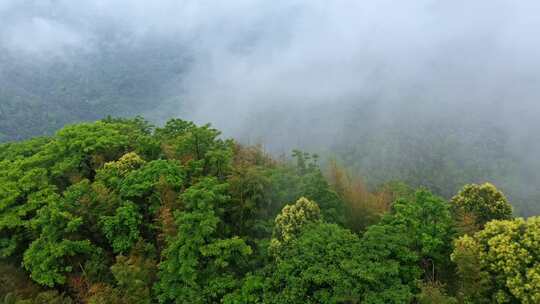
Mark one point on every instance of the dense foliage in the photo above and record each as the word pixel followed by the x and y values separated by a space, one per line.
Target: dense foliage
pixel 119 211
pixel 500 264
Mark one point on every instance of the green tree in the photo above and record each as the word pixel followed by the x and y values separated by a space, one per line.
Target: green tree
pixel 199 147
pixel 52 255
pixel 83 148
pixel 122 228
pixel 318 262
pixel 24 189
pixel 313 185
pixel 416 235
pixel 474 283
pixel 327 264
pixel 250 189
pixel 201 263
pixel 149 185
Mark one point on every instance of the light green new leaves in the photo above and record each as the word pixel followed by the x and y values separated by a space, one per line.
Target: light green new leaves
pixel 485 202
pixel 292 219
pixel 508 253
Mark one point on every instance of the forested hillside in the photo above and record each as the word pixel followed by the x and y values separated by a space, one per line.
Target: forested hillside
pixel 39 96
pixel 120 211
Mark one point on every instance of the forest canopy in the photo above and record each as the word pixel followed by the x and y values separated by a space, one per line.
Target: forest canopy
pixel 121 211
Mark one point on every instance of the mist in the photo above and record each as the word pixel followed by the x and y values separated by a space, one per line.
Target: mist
pixel 367 82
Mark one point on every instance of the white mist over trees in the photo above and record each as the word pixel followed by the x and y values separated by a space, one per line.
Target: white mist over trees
pixel 434 93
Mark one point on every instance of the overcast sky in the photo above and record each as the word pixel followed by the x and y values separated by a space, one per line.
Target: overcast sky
pixel 304 49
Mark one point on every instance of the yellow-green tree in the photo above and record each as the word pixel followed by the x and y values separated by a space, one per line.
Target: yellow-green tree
pixel 291 220
pixel 501 262
pixel 482 202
